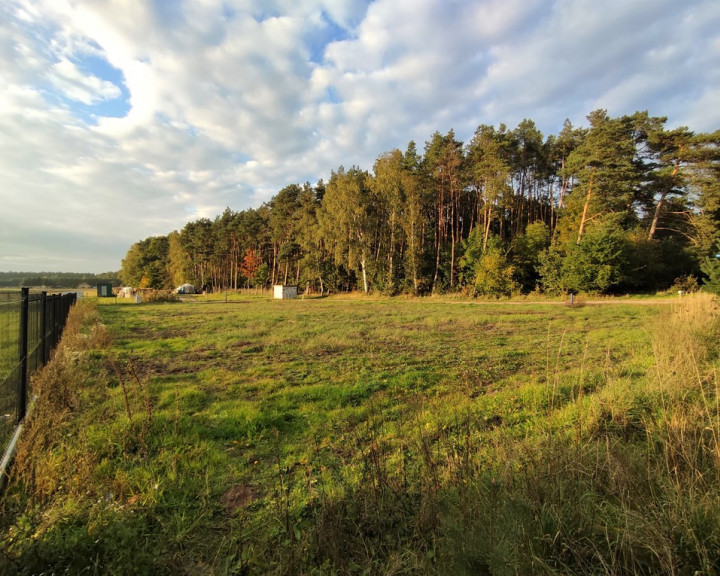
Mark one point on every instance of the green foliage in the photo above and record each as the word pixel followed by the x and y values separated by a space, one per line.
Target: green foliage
pixel 146 264
pixel 347 220
pixel 656 264
pixel 262 275
pixel 402 227
pixel 711 268
pixel 605 162
pixel 493 274
pixel 487 271
pixel 597 264
pixel 526 252
pixel 552 277
pixel 473 253
pixel 177 264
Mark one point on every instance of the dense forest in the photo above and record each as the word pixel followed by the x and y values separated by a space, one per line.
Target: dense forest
pixel 622 205
pixel 56 279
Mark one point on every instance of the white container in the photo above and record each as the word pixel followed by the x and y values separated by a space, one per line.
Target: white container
pixel 282 292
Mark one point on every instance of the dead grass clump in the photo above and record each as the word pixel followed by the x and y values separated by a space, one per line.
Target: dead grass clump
pixel 39 464
pixel 156 296
pixel 84 329
pixel 685 339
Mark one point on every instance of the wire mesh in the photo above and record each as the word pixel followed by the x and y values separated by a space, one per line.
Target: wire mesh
pixel 45 321
pixel 9 362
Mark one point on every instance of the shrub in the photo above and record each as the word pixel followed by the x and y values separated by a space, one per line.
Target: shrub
pixel 685 284
pixel 487 269
pixel 159 296
pixel 597 264
pixel 711 267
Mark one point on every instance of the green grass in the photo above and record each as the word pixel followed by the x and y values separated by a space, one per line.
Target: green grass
pixel 368 436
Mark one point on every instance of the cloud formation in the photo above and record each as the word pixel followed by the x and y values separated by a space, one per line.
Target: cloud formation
pixel 120 120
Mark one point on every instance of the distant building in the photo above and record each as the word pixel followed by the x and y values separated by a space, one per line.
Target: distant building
pixel 285 292
pixel 105 291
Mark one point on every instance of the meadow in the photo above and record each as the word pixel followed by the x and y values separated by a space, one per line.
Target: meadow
pixel 372 436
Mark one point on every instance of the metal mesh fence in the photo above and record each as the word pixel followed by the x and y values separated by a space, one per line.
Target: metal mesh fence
pixel 30 327
pixel 9 362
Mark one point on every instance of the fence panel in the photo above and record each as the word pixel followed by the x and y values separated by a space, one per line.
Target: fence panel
pixel 30 328
pixel 10 303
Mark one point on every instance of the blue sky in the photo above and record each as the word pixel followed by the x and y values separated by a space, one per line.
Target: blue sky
pixel 125 119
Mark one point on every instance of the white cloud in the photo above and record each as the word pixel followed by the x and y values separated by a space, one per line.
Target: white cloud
pixel 76 85
pixel 598 52
pixel 229 101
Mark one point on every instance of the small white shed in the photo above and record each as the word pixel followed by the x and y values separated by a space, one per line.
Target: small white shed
pixel 285 292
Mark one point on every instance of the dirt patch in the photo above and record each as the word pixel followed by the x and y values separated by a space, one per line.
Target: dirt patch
pixel 150 368
pixel 202 355
pixel 241 344
pixel 238 496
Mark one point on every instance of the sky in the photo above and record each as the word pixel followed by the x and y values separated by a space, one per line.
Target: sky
pixel 124 119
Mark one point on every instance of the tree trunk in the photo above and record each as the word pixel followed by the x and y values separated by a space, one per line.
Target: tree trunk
pixel 413 255
pixel 452 243
pixel 364 274
pixel 235 283
pixel 585 211
pixel 452 260
pixel 656 216
pixel 486 233
pixel 392 251
pixel 563 191
pixel 438 245
pixel 661 201
pixel 274 262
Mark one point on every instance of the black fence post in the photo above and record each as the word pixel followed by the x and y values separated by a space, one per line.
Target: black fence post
pixel 43 328
pixel 22 389
pixel 57 311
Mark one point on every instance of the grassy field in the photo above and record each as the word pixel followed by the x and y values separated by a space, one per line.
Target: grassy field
pixel 373 436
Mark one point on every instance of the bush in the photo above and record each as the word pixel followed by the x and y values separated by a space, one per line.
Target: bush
pixel 656 264
pixel 711 267
pixel 597 264
pixel 487 270
pixel 685 284
pixel 526 251
pixel 159 296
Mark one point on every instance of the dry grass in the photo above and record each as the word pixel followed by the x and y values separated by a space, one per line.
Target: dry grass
pixel 39 464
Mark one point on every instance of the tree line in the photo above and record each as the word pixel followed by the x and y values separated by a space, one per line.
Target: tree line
pixel 56 279
pixel 621 205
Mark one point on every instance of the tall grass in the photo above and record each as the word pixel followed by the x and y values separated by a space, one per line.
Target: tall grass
pixel 635 491
pixel 623 481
